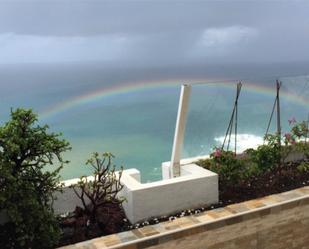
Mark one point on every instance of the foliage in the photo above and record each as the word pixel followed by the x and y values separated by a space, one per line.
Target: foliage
pixel 26 189
pixel 268 155
pixel 230 168
pixel 104 186
pixel 234 169
pixel 272 154
pixel 300 134
pixel 303 167
pixel 300 130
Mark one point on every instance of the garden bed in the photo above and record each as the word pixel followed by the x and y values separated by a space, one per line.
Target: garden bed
pixel 277 180
pixel 76 227
pixel 274 181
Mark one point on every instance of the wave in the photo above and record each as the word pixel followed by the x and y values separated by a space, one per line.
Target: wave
pixel 244 141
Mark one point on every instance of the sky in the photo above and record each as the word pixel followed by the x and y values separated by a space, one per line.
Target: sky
pixel 153 33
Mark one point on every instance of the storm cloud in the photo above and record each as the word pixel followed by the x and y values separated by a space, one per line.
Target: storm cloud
pixel 153 33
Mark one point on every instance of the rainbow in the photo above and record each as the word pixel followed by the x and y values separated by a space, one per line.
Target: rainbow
pixel 101 93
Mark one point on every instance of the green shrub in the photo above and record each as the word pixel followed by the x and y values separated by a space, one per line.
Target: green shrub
pixel 303 167
pixel 234 169
pixel 26 190
pixel 300 130
pixel 264 157
pixel 231 169
pixel 296 140
pixel 271 154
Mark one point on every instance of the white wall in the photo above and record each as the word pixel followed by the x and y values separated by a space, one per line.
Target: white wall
pixel 67 200
pixel 195 187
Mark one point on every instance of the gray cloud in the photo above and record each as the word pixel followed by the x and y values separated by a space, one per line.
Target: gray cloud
pixel 51 49
pixel 153 33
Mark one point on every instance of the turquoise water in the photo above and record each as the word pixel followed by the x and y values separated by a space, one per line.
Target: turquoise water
pixel 138 126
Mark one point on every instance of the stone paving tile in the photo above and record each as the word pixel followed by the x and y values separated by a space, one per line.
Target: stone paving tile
pixel 219 213
pixel 137 233
pixel 160 227
pixel 238 208
pixel 85 245
pixel 304 190
pixel 205 217
pixel 194 219
pixel 89 246
pixel 301 191
pixel 289 195
pixel 127 236
pixel 148 231
pixel 271 200
pixel 99 243
pixel 184 222
pixel 133 246
pixel 254 204
pixel 111 240
pixel 170 226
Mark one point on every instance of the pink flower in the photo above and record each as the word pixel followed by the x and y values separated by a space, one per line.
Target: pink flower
pixel 292 120
pixel 288 136
pixel 217 152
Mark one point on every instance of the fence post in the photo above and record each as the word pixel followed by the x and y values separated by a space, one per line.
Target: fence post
pixel 180 130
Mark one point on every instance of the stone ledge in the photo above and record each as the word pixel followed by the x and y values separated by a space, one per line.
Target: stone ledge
pixel 185 227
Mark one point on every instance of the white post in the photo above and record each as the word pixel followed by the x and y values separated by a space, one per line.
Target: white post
pixel 180 130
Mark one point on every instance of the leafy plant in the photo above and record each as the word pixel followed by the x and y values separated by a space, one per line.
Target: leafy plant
pixel 26 188
pixel 300 130
pixel 235 169
pixel 230 168
pixel 103 188
pixel 262 156
pixel 300 133
pixel 303 167
pixel 271 154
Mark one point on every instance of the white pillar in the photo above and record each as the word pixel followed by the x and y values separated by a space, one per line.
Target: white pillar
pixel 180 130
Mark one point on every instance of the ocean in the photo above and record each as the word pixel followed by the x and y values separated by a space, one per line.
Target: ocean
pixel 131 112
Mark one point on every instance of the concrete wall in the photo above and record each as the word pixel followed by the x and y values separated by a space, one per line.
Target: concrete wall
pixel 67 200
pixel 194 188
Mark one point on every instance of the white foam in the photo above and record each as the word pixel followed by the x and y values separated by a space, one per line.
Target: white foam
pixel 244 141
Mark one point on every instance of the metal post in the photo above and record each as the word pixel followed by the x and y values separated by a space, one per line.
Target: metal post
pixel 239 85
pixel 307 133
pixel 278 84
pixel 180 130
